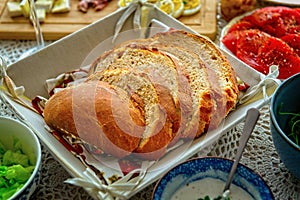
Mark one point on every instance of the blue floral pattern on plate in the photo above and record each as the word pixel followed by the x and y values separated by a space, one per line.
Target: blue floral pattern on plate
pixel 199 168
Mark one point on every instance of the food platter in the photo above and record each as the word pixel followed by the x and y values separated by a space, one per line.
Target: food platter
pixel 284 2
pixel 253 39
pixel 59 25
pixel 77 49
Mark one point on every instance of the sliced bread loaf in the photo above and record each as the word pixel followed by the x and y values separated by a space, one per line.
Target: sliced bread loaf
pixel 162 117
pixel 179 84
pixel 212 79
pixel 194 82
pixel 220 73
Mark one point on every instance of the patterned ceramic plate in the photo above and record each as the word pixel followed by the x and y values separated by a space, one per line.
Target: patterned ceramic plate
pixel 190 177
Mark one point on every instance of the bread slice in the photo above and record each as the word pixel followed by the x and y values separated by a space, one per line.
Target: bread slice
pixel 222 76
pixel 162 117
pixel 100 114
pixel 196 74
pixel 195 82
pixel 155 65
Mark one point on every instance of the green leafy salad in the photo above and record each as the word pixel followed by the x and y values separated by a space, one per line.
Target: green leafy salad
pixel 15 169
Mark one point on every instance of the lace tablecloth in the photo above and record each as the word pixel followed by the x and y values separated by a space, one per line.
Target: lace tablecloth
pixel 259 154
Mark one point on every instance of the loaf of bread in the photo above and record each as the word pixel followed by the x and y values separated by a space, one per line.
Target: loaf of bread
pixel 213 80
pixel 148 94
pixel 92 111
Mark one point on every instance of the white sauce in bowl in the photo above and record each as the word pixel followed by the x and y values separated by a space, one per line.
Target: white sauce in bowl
pixel 209 187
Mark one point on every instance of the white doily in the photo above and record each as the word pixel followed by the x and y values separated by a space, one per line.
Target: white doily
pixel 11 50
pixel 261 156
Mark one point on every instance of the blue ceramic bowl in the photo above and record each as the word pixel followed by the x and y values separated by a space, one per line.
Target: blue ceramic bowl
pixel 195 170
pixel 11 131
pixel 286 98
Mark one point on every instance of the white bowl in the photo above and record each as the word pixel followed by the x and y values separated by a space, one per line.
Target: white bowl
pixel 12 130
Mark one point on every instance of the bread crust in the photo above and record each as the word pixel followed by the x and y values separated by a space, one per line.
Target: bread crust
pixel 87 111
